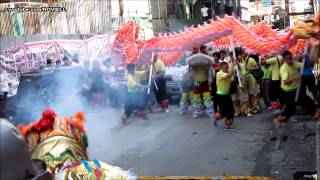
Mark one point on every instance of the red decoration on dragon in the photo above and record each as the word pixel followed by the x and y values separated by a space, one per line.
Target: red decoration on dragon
pixel 260 39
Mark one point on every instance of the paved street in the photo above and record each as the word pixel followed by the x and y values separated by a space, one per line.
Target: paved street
pixel 296 154
pixel 171 144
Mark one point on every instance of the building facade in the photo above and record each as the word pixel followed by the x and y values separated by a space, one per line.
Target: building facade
pixel 81 17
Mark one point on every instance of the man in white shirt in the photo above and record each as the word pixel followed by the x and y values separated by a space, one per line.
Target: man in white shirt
pixel 204 13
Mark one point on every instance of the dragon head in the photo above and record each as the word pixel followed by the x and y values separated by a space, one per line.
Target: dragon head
pixel 305 29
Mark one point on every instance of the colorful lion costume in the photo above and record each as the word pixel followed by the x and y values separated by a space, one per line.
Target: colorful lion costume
pixel 62 143
pixel 202 78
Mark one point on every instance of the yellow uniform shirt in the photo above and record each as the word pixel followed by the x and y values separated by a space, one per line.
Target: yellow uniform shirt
pixel 133 81
pixel 200 74
pixel 241 73
pixel 223 83
pixel 158 66
pixel 144 76
pixel 287 72
pixel 242 68
pixel 275 68
pixel 250 63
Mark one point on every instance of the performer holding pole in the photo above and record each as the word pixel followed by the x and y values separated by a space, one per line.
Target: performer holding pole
pixel 289 85
pixel 159 81
pixel 135 94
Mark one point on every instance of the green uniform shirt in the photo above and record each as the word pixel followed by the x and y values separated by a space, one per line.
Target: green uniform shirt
pixel 223 83
pixel 266 72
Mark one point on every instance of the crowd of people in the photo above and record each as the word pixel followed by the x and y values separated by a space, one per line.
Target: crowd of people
pixel 220 83
pixel 227 86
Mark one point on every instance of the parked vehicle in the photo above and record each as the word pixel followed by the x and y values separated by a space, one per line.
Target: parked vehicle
pixel 173 77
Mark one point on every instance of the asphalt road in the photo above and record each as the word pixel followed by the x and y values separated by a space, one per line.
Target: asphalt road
pixel 173 144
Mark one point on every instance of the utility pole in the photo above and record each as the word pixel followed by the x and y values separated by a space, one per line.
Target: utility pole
pixel 222 3
pixel 121 8
pixel 212 10
pixel 287 18
pixel 316 6
pixel 159 17
pixel 239 8
pixel 234 7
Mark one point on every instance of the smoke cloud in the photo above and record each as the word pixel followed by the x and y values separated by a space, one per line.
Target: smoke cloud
pixel 62 89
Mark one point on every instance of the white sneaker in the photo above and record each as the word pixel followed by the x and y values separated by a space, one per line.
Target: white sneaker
pixel 269 107
pixel 249 115
pixel 166 111
pixel 196 115
pixel 254 111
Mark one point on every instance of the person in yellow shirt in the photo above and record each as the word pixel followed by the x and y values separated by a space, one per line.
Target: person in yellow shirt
pixel 289 73
pixel 275 93
pixel 223 94
pixel 135 99
pixel 144 80
pixel 253 84
pixel 159 87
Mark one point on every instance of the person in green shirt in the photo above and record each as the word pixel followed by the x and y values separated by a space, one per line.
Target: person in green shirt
pixel 289 73
pixel 225 103
pixel 265 85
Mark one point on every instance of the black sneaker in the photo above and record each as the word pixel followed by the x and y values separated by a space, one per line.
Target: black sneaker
pixel 274 138
pixel 284 138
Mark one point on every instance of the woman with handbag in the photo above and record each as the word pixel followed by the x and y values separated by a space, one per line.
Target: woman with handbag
pixel 240 98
